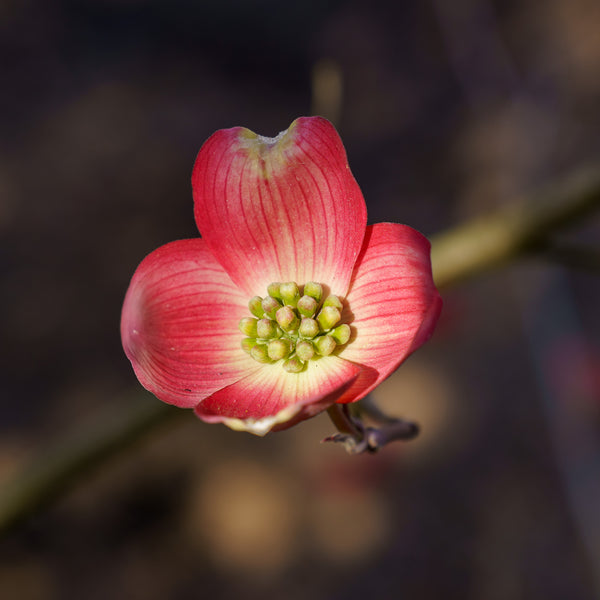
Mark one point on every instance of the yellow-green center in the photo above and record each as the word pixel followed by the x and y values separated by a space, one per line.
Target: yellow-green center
pixel 294 325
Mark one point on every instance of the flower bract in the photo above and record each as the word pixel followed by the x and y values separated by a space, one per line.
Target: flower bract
pixel 288 302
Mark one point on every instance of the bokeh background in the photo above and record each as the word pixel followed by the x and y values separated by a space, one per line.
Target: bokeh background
pixel 447 110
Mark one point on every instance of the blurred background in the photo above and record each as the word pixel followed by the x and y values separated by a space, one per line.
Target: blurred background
pixel 447 110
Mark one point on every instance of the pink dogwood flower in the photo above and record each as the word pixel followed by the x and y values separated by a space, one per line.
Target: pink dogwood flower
pixel 289 302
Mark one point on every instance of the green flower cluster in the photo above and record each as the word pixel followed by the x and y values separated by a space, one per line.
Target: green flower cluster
pixel 293 325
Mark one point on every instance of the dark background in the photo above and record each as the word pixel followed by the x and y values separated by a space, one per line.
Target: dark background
pixel 447 110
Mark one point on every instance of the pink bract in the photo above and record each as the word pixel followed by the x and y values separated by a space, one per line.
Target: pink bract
pixel 275 209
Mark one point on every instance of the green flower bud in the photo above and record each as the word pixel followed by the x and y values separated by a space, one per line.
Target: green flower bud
pixel 289 293
pixel 341 334
pixel 247 326
pixel 307 306
pixel 255 307
pixel 270 305
pixel 259 352
pixel 333 301
pixel 328 317
pixel 278 349
pixel 267 329
pixel 309 328
pixel 314 290
pixel 273 289
pixel 248 344
pixel 304 350
pixel 293 365
pixel 292 327
pixel 287 319
pixel 325 345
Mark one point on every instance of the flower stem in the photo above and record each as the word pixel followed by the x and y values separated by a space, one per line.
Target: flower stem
pixel 358 438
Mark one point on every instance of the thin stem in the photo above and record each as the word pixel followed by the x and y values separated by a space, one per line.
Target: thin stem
pixel 341 418
pixel 357 437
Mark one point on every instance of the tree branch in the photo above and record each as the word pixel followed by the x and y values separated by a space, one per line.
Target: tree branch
pixel 57 468
pixel 493 240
